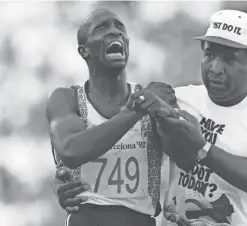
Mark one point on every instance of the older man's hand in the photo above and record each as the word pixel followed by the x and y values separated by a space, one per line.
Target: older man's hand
pixel 67 190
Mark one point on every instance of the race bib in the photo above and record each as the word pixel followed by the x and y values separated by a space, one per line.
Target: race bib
pixel 122 172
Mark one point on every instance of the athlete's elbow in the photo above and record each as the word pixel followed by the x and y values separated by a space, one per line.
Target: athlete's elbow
pixel 78 151
pixel 69 162
pixel 69 159
pixel 242 183
pixel 73 156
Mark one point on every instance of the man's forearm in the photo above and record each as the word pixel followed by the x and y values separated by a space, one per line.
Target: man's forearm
pixel 88 145
pixel 230 167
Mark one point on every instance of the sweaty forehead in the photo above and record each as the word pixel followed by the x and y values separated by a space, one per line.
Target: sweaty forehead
pixel 94 18
pixel 100 16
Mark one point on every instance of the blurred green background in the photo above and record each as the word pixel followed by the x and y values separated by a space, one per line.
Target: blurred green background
pixel 39 53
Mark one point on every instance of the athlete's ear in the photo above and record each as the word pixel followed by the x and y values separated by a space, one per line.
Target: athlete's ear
pixel 82 50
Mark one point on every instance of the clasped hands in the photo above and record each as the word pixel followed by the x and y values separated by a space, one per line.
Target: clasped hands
pixel 159 101
pixel 156 99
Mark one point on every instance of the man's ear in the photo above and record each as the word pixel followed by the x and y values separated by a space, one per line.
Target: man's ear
pixel 82 50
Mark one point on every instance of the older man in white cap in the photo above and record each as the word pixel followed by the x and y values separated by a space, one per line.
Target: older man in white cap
pixel 213 192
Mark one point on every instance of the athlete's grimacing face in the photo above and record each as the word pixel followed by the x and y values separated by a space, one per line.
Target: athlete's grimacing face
pixel 224 72
pixel 108 42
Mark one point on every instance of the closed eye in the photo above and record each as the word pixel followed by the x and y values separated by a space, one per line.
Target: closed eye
pixel 119 25
pixel 101 26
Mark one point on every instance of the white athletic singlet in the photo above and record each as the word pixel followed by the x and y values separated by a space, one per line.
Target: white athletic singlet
pixel 129 173
pixel 201 196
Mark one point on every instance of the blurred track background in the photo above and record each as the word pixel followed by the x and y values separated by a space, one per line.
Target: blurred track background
pixel 39 53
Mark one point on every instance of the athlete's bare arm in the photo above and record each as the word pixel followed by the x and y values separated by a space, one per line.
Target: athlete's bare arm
pixel 68 134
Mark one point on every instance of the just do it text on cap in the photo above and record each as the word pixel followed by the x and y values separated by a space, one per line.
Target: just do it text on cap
pixel 227 27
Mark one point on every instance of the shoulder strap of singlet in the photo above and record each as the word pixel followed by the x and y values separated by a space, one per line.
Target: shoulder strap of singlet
pixel 75 88
pixel 81 99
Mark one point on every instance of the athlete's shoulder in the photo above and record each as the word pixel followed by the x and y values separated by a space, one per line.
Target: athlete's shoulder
pixel 190 91
pixel 59 98
pixel 60 92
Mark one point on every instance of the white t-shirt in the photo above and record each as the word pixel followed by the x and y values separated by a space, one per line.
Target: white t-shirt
pixel 201 196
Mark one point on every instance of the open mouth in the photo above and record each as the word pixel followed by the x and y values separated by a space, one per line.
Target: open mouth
pixel 115 49
pixel 217 82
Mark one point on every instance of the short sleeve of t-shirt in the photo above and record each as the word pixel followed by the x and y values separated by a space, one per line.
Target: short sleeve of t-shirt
pixel 190 93
pixel 191 98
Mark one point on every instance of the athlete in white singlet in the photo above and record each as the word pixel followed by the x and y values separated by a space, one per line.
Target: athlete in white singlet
pixel 120 176
pixel 100 139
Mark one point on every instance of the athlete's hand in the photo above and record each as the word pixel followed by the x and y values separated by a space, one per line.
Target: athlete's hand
pixel 146 102
pixel 66 190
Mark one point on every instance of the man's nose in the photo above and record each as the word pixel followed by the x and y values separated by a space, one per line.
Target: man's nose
pixel 217 66
pixel 114 31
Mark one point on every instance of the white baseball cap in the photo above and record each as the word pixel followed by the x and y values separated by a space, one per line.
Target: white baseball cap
pixel 227 27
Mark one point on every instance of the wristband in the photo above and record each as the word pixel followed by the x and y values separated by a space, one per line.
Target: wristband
pixel 202 153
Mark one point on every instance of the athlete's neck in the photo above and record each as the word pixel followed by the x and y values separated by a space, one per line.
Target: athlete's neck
pixel 111 88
